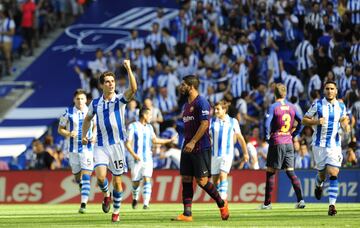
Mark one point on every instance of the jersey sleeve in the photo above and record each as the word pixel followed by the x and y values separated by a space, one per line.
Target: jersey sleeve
pixel 91 110
pixel 236 126
pixel 204 109
pixel 122 99
pixel 64 118
pixel 131 132
pixel 269 116
pixel 312 110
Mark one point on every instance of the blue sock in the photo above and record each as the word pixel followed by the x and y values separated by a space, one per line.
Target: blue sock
pixel 333 190
pixel 104 186
pixel 85 188
pixel 117 200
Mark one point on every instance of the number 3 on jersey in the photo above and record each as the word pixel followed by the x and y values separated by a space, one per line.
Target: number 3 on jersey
pixel 287 121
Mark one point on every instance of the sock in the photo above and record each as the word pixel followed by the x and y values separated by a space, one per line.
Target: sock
pixel 135 192
pixel 270 179
pixel 223 188
pixel 319 182
pixel 211 190
pixel 296 184
pixel 104 186
pixel 85 188
pixel 147 192
pixel 333 190
pixel 117 201
pixel 187 195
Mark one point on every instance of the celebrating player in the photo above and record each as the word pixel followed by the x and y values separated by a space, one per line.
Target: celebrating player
pixel 140 137
pixel 109 151
pixel 80 157
pixel 326 116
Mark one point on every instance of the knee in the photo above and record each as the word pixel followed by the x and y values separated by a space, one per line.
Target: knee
pixel 187 179
pixel 202 181
pixel 101 179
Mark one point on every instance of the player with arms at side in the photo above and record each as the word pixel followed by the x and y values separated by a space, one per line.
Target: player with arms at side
pixel 109 151
pixel 196 152
pixel 141 135
pixel 80 157
pixel 279 133
pixel 223 131
pixel 326 116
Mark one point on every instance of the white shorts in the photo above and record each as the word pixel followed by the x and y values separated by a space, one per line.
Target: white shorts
pixel 81 161
pixel 141 169
pixel 112 156
pixel 327 156
pixel 220 164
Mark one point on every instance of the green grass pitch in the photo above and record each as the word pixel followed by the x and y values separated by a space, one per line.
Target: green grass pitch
pixel 159 215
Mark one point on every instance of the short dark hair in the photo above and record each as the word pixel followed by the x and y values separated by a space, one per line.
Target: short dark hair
pixel 192 80
pixel 105 74
pixel 143 110
pixel 79 91
pixel 280 90
pixel 330 82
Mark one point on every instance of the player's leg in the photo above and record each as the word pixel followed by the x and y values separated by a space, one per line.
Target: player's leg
pixel 215 171
pixel 117 166
pixel 274 162
pixel 225 167
pixel 333 188
pixel 202 168
pixel 117 197
pixel 86 162
pixel 136 176
pixel 319 159
pixel 101 162
pixel 186 171
pixel 147 188
pixel 333 163
pixel 288 165
pixel 74 162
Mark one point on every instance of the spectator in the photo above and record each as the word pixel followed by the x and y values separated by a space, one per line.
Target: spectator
pixel 43 159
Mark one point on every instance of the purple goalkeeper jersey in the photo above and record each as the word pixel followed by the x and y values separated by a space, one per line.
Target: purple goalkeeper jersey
pixel 194 113
pixel 279 123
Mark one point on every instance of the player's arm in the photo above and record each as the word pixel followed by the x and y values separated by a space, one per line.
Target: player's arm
pixel 309 119
pixel 129 147
pixel 269 118
pixel 156 140
pixel 129 144
pixel 85 128
pixel 298 125
pixel 241 140
pixel 130 92
pixel 62 126
pixel 204 124
pixel 94 128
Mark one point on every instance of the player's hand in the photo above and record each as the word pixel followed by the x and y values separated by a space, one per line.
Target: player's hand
pixel 84 141
pixel 93 140
pixel 189 147
pixel 136 158
pixel 175 138
pixel 127 64
pixel 72 134
pixel 321 121
pixel 246 157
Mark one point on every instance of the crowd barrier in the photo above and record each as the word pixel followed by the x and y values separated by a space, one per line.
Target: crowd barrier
pixel 53 187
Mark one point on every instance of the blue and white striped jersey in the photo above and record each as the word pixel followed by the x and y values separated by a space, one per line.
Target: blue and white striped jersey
pixel 110 119
pixel 293 85
pixel 222 133
pixel 239 81
pixel 72 120
pixel 327 135
pixel 142 136
pixel 144 63
pixel 314 84
pixel 354 7
pixel 303 52
pixel 355 52
pixel 154 39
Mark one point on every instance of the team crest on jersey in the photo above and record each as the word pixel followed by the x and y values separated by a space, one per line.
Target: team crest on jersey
pixel 191 109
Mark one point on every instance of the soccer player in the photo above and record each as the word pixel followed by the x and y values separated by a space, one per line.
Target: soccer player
pixel 141 135
pixel 196 152
pixel 279 133
pixel 223 129
pixel 326 116
pixel 109 151
pixel 80 156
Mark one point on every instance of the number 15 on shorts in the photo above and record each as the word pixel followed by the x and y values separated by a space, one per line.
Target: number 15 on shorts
pixel 119 164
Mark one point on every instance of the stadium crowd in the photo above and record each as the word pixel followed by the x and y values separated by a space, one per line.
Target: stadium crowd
pixel 240 49
pixel 23 23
